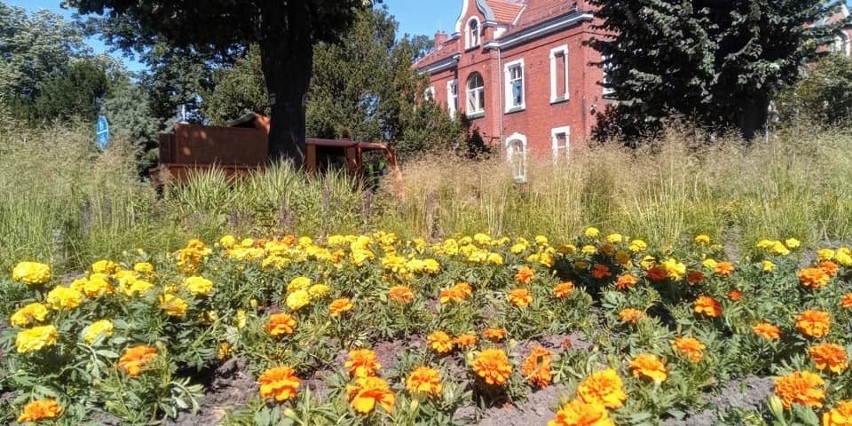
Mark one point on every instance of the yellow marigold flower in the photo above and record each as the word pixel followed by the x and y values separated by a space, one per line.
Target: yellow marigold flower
pixel 105 267
pixel 319 291
pixel 339 306
pixel 709 263
pixel 97 285
pixel 495 334
pixel 648 262
pixel 563 290
pixel 846 301
pixel 829 355
pixel 198 286
pixel 31 313
pixel 143 267
pixel 299 283
pixel 702 239
pixel 579 413
pixel 840 415
pixel 813 278
pixel 279 383
pixel 64 298
pixel 280 324
pixel 631 315
pixel 604 388
pixel 724 269
pixel 40 409
pixel 32 273
pixel 431 266
pixel 708 306
pixel 298 299
pixel 224 351
pixel 778 248
pixel 614 238
pixel 800 387
pixel 813 323
pixel 173 306
pixel 567 249
pixel 134 359
pixel 792 243
pixel 536 367
pixel 400 294
pixel 465 340
pixel 102 327
pixel 844 257
pixel 690 348
pixel 520 297
pixel 424 381
pixel 36 338
pixel 518 248
pixel 440 342
pixel 767 331
pixel 592 232
pixel 492 366
pixel 637 246
pixel 240 319
pixel 825 254
pixel 649 366
pixel 135 287
pixel 367 392
pixel 767 266
pixel 675 270
pixel 228 241
pixel 524 275
pixel 362 363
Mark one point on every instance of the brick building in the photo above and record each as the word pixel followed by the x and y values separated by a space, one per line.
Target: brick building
pixel 519 70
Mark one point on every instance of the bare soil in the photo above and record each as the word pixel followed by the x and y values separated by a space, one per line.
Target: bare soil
pixel 231 387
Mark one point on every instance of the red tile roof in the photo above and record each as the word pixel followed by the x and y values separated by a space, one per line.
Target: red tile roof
pixel 436 55
pixel 505 11
pixel 538 11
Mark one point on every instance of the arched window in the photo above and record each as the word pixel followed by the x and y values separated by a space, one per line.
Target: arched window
pixel 473 33
pixel 475 95
pixel 516 154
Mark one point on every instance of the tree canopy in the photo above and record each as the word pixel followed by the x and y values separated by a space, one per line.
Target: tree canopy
pixel 715 62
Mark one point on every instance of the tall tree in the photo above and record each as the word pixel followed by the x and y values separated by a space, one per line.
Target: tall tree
pixel 286 32
pixel 716 62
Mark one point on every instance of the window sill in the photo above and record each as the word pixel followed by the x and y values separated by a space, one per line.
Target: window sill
pixel 475 115
pixel 559 100
pixel 516 109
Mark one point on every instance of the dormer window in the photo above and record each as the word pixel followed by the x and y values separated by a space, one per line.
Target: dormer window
pixel 473 36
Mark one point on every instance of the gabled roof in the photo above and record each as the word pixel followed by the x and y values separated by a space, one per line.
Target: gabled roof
pixel 443 52
pixel 538 11
pixel 505 11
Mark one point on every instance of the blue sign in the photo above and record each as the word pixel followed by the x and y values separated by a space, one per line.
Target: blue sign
pixel 102 132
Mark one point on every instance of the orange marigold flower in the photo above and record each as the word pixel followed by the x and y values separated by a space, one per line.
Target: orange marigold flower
pixel 603 387
pixel 841 415
pixel 801 387
pixel 452 295
pixel 708 306
pixel 814 278
pixel 829 267
pixel 524 275
pixel 600 272
pixel 495 334
pixel 424 381
pixel 813 323
pixel 562 290
pixel 724 269
pixel 766 331
pixel 134 359
pixel 465 340
pixel 40 409
pixel 362 363
pixel 366 392
pixel 649 366
pixel 464 288
pixel 401 294
pixel 631 315
pixel 846 301
pixel 279 383
pixel 440 342
pixel 690 348
pixel 280 324
pixel 831 356
pixel 339 307
pixel 520 297
pixel 536 367
pixel 694 277
pixel 626 281
pixel 657 273
pixel 579 413
pixel 735 295
pixel 492 365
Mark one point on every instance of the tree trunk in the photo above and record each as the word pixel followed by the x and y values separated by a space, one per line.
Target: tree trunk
pixel 286 51
pixel 754 117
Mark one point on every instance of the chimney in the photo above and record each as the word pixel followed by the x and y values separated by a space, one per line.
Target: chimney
pixel 440 39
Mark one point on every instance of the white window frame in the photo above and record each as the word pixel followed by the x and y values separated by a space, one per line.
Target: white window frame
pixel 554 79
pixel 517 160
pixel 554 144
pixel 841 43
pixel 478 94
pixel 472 40
pixel 510 98
pixel 452 98
pixel 607 91
pixel 429 94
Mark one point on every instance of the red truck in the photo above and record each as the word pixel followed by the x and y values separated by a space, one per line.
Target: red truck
pixel 241 147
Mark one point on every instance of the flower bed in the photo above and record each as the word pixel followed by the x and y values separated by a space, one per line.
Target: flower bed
pixel 368 328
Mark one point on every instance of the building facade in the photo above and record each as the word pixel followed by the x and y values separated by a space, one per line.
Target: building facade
pixel 521 72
